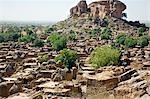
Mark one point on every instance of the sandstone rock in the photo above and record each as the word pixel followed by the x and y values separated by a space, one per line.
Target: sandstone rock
pixel 127 92
pixel 68 76
pixel 74 71
pixel 140 85
pixel 131 81
pixel 75 88
pixel 1 79
pixel 80 8
pixel 60 92
pixel 54 97
pixel 127 75
pixel 148 90
pixel 100 8
pixel 146 96
pixel 57 77
pixel 104 79
pixel 14 89
pixel 3 89
pixel 9 70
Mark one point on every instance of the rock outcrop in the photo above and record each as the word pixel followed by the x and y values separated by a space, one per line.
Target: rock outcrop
pixel 99 8
pixel 80 8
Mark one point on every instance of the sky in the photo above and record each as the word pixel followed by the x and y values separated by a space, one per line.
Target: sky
pixel 56 10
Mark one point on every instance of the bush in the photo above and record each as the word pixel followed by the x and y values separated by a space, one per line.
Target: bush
pixel 43 58
pixel 130 42
pixel 106 33
pixel 120 39
pixel 14 36
pixel 38 43
pixel 27 39
pixel 94 32
pixel 30 32
pixel 49 30
pixel 57 41
pixel 72 36
pixel 67 57
pixel 5 37
pixel 105 55
pixel 143 41
pixel 141 30
pixel 105 36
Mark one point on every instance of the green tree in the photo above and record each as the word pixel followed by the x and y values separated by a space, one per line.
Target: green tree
pixel 27 39
pixel 67 57
pixel 104 56
pixel 57 41
pixel 38 43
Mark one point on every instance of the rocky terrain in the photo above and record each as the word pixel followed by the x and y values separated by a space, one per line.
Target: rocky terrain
pixel 31 72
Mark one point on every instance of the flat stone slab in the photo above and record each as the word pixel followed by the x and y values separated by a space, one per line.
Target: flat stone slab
pixel 56 91
pixel 101 76
pixel 10 79
pixel 88 69
pixel 50 84
pixel 19 96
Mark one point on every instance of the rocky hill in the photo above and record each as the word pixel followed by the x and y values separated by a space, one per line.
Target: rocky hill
pixel 97 16
pixel 94 54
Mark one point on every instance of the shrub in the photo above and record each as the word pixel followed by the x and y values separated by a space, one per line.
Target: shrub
pixel 30 32
pixel 1 38
pixel 5 37
pixel 57 41
pixel 94 32
pixel 120 39
pixel 105 55
pixel 105 36
pixel 106 33
pixel 43 58
pixel 27 39
pixel 49 30
pixel 72 36
pixel 67 57
pixel 141 31
pixel 130 42
pixel 38 43
pixel 14 36
pixel 143 41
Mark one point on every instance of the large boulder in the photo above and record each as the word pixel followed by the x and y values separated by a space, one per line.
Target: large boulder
pixel 3 89
pixel 8 88
pixel 14 89
pixel 99 8
pixel 80 8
